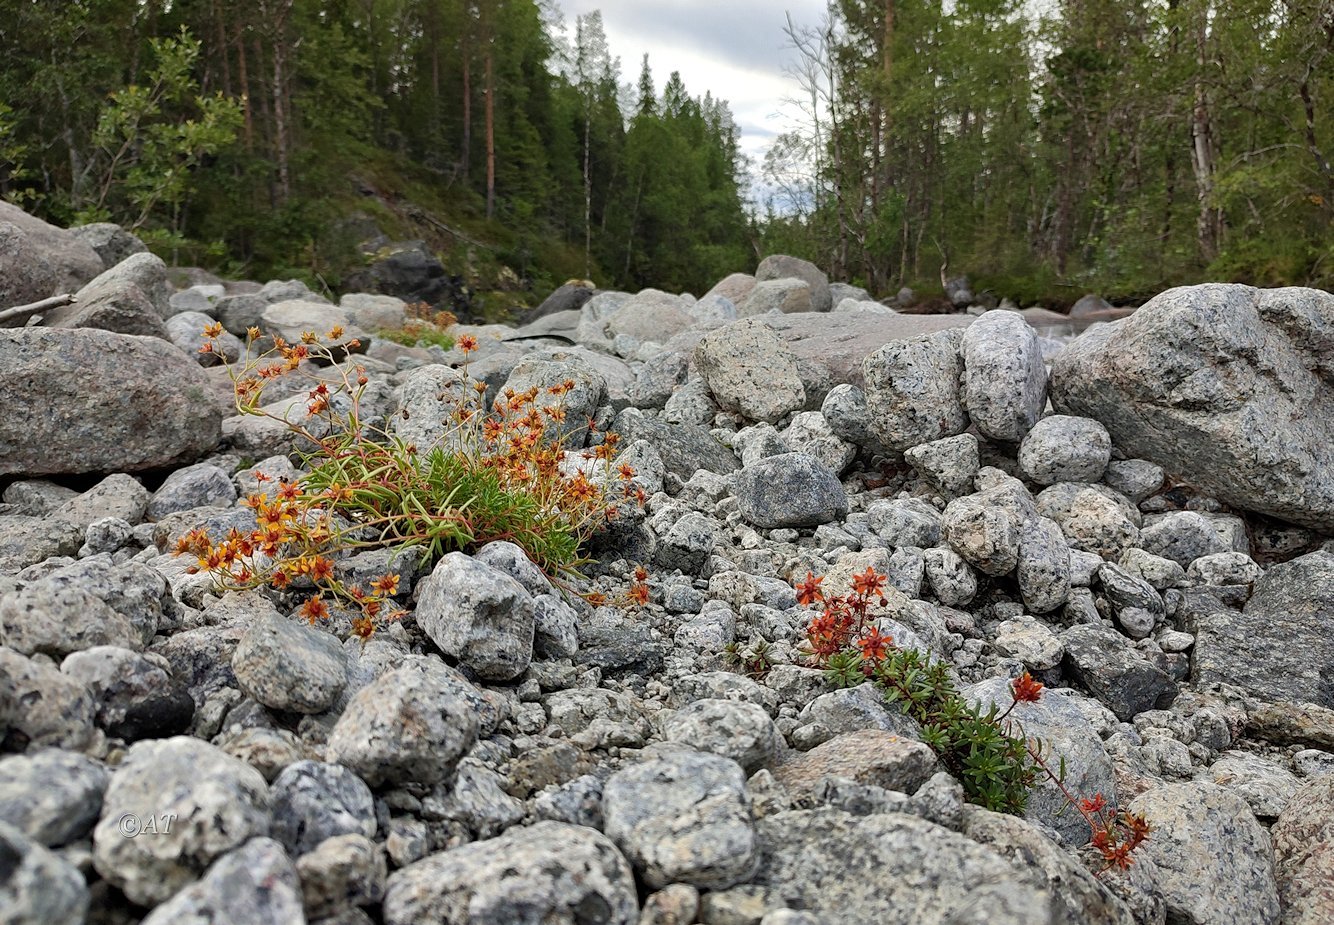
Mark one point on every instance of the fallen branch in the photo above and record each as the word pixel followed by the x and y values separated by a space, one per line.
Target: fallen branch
pixel 23 311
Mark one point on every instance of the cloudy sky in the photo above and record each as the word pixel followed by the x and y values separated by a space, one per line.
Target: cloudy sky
pixel 735 49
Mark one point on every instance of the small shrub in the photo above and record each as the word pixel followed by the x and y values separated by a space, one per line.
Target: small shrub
pixel 492 476
pixel 985 750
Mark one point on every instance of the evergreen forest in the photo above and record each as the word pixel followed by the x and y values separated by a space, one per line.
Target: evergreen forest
pixel 1046 149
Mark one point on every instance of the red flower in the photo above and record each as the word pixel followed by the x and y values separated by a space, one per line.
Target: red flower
pixel 1095 805
pixel 808 592
pixel 1026 690
pixel 868 583
pixel 874 645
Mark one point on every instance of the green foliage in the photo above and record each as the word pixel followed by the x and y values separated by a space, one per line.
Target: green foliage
pixel 418 334
pixel 994 766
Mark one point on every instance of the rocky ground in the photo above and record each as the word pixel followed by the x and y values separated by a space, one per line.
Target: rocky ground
pixel 1139 517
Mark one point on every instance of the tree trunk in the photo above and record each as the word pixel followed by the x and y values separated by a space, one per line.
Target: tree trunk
pixel 247 112
pixel 1202 145
pixel 465 147
pixel 490 134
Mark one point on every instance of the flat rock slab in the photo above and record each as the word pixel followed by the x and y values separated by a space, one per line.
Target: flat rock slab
pixel 840 344
pixel 1229 387
pixel 80 401
pixel 869 756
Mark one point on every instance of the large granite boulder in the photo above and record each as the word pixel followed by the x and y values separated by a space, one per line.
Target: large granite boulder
pixel 749 371
pixel 38 259
pixel 85 400
pixel 781 266
pixel 1229 387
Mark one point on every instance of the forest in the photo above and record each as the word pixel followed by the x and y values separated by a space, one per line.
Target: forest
pixel 1047 150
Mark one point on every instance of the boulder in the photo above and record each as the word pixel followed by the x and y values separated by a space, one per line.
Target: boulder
pixel 781 266
pixel 1229 387
pixel 789 490
pixel 40 259
pixel 117 305
pixel 785 296
pixel 749 371
pixel 84 401
pixel 912 390
pixel 1005 381
pixel 112 242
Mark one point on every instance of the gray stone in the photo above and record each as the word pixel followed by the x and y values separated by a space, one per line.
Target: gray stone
pixel 1161 573
pixel 136 697
pixel 57 617
pixel 688 543
pixel 478 615
pixel 867 756
pixel 256 883
pixel 1061 448
pixel 1102 660
pixel 374 312
pixel 73 408
pixel 904 522
pixel 1183 537
pixel 853 709
pixel 293 317
pixel 50 259
pixel 555 627
pixel 144 270
pixel 1266 786
pixel 186 331
pixel 789 490
pixel 749 371
pixel 1135 604
pixel 912 390
pixel 890 868
pixel 1031 642
pixel 25 541
pixel 949 465
pixel 781 266
pixel 1225 385
pixel 239 313
pixel 1043 569
pixel 411 724
pixel 200 485
pixel 579 403
pixel 650 316
pixel 117 495
pixel 429 400
pixel 737 730
pixel 340 874
pixel 1212 860
pixel 1063 729
pixel 37 886
pixel 785 296
pixel 682 817
pixel 1224 568
pixel 951 578
pixel 116 305
pixel 684 448
pixel 51 796
pixel 811 434
pixel 313 801
pixel 734 287
pixel 986 536
pixel 42 707
pixel 1303 839
pixel 1090 520
pixel 658 378
pixel 551 873
pixel 289 666
pixel 1281 646
pixel 1005 381
pixel 1134 478
pixel 202 803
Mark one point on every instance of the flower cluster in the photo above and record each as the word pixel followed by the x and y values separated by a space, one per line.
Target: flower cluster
pixel 498 474
pixel 987 751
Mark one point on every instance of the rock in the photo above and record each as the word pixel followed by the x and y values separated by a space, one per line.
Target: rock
pixel 580 403
pixel 57 617
pixel 912 390
pixel 293 318
pixel 186 331
pixel 650 316
pixel 341 874
pixel 739 731
pixel 682 817
pixel 143 270
pixel 789 490
pixel 734 287
pixel 1136 606
pixel 748 371
pixel 1224 568
pixel 868 756
pixel 1065 731
pixel 1212 860
pixel 51 796
pixel 1090 520
pixel 37 886
pixel 239 313
pixel 1182 536
pixel 1079 896
pixel 785 296
pixel 111 242
pixel 684 448
pixel 890 868
pixel 313 801
pixel 117 305
pixel 950 465
pixel 1090 304
pixel 951 578
pixel 201 802
pixel 568 297
pixel 687 545
pixel 1102 660
pixel 1281 646
pixel 597 718
pixel 781 266
pixel 1005 381
pixel 411 724
pixel 811 434
pixel 1061 448
pixel 1134 478
pixel 43 708
pixel 200 485
pixel 117 495
pixel 136 697
pixel 904 522
pixel 1224 385
pixel 857 709
pixel 74 408
pixel 478 615
pixel 289 666
pixel 1265 785
pixel 256 883
pixel 1043 569
pixel 41 259
pixel 1293 724
pixel 551 872
pixel 1303 840
pixel 986 536
pixel 1029 641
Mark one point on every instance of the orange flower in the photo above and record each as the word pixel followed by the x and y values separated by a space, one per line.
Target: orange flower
pixel 874 645
pixel 1094 805
pixel 280 580
pixel 315 609
pixel 641 573
pixel 808 592
pixel 288 491
pixel 386 585
pixel 321 569
pixel 336 332
pixel 207 348
pixel 308 337
pixel 252 333
pixel 868 583
pixel 626 472
pixel 467 343
pixel 213 330
pixel 363 627
pixel 1026 690
pixel 639 593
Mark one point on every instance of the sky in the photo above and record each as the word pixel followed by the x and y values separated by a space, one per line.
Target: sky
pixel 735 49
